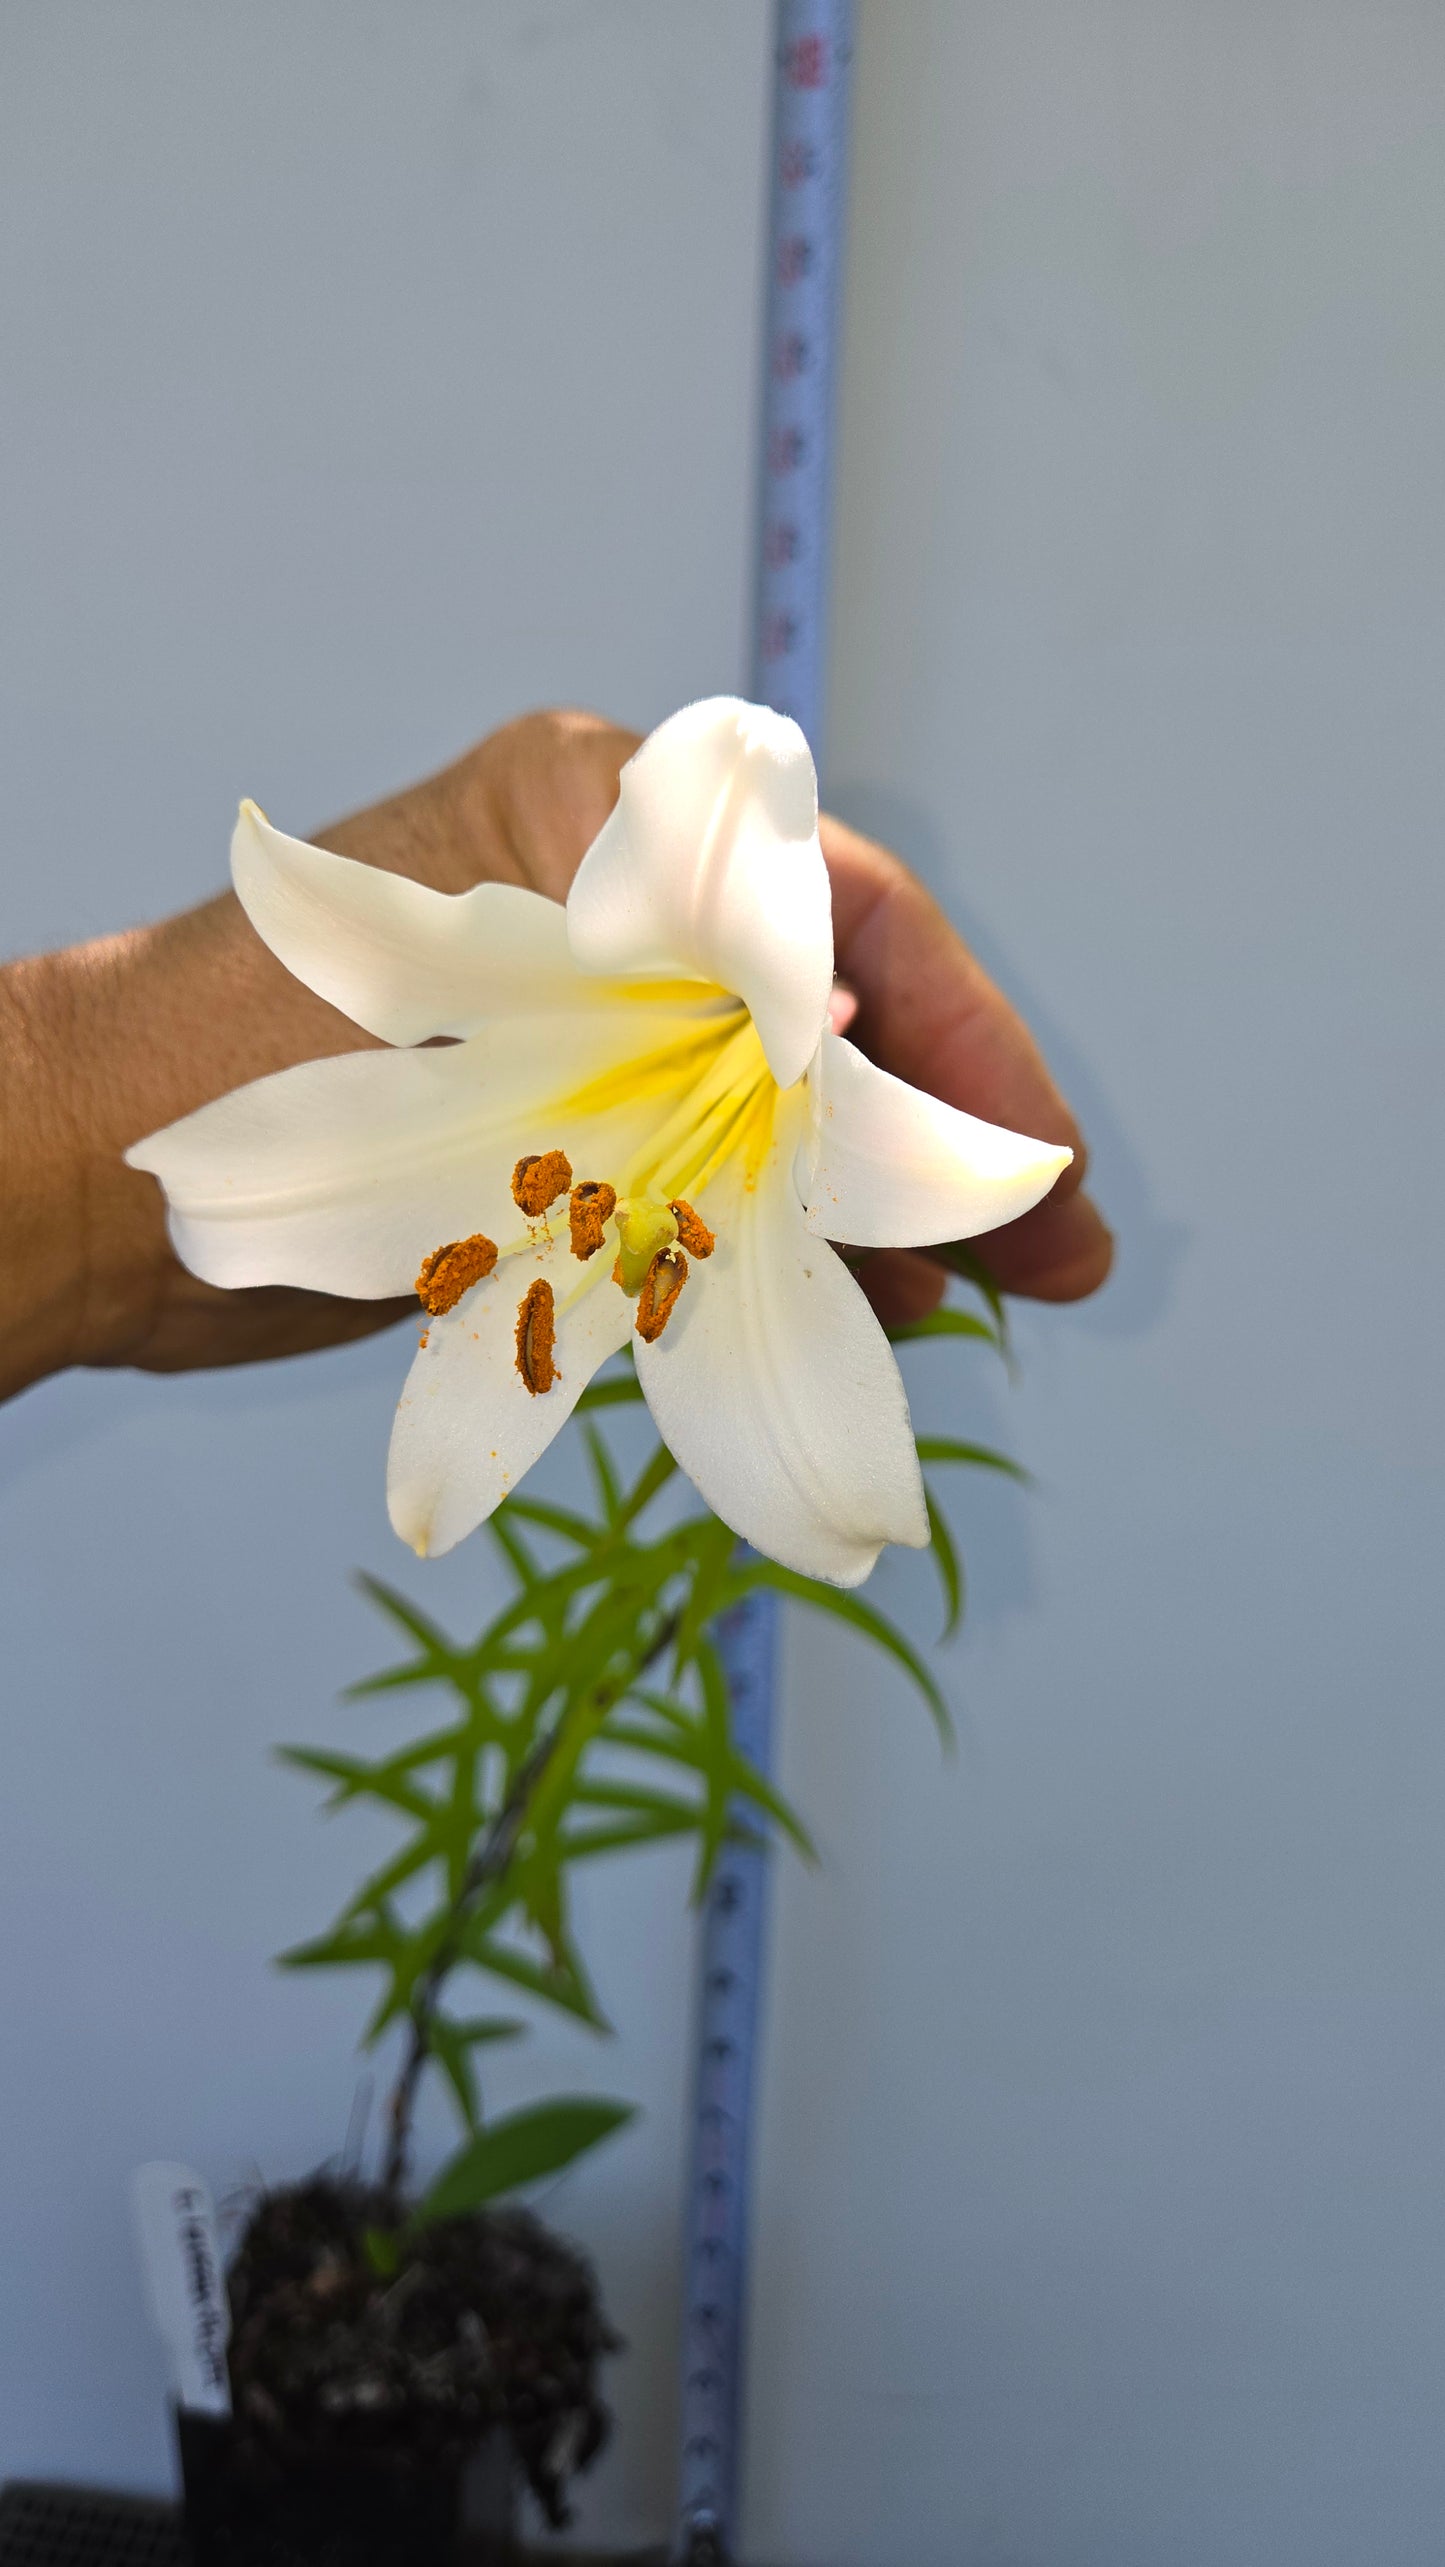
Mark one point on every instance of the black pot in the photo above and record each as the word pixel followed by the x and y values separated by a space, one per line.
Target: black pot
pixel 244 2508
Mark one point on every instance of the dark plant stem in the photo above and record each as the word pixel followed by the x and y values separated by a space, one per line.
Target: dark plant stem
pixel 486 1866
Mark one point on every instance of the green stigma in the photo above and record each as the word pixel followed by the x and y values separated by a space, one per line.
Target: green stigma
pixel 644 1229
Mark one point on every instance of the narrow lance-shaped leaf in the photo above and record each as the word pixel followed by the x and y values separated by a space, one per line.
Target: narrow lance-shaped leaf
pixel 945 1554
pixel 609 1487
pixel 943 1323
pixel 514 1550
pixel 948 1448
pixel 517 2150
pixel 845 1606
pixel 564 1985
pixel 354 1779
pixel 625 1391
pixel 452 2045
pixel 389 1600
pixel 962 1258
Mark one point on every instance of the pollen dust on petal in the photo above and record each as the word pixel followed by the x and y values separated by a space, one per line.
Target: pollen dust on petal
pixel 658 1298
pixel 450 1271
pixel 591 1205
pixel 536 1337
pixel 538 1180
pixel 692 1231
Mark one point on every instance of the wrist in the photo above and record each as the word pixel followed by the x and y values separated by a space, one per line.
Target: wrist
pixel 42 1182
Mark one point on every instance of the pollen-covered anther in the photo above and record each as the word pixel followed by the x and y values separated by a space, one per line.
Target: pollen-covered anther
pixel 692 1231
pixel 591 1206
pixel 537 1337
pixel 450 1271
pixel 658 1298
pixel 538 1180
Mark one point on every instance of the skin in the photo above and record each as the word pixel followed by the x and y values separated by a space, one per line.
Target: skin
pixel 108 1041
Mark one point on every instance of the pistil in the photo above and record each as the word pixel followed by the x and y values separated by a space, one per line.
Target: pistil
pixel 645 1228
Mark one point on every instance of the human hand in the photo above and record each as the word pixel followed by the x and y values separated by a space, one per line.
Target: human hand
pixel 113 1040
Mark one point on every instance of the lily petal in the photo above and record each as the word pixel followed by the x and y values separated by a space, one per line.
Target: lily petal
pixel 341 1175
pixel 395 956
pixel 710 866
pixel 884 1166
pixel 776 1389
pixel 467 1426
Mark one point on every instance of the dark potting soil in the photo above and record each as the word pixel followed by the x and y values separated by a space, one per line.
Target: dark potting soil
pixel 489 2320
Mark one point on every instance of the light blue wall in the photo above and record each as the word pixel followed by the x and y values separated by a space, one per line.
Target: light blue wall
pixel 370 372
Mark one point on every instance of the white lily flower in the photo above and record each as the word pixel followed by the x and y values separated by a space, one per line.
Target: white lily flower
pixel 643 1128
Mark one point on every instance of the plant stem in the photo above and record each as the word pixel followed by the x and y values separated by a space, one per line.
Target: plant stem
pixel 487 1864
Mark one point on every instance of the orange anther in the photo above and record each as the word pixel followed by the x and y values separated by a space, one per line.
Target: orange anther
pixel 450 1271
pixel 536 1337
pixel 591 1205
pixel 655 1303
pixel 692 1230
pixel 537 1181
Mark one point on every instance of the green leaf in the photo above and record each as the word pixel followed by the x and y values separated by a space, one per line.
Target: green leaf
pixel 476 2028
pixel 696 1747
pixel 615 1390
pixel 609 1487
pixel 945 1553
pixel 355 1778
pixel 565 1987
pixel 382 2249
pixel 947 1448
pixel 577 1843
pixel 366 1939
pixel 846 1606
pixel 417 1671
pixel 557 1519
pixel 624 1392
pixel 389 1600
pixel 452 2046
pixel 658 1470
pixel 943 1323
pixel 512 1547
pixel 962 1258
pixel 430 1845
pixel 638 1797
pixel 540 2140
pixel 713 1547
pixel 753 1786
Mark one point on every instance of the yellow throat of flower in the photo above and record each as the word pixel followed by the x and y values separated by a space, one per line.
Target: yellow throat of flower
pixel 715 1097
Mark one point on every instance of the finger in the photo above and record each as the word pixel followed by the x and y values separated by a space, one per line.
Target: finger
pixel 1061 1251
pixel 929 1012
pixel 900 1285
pixel 927 1008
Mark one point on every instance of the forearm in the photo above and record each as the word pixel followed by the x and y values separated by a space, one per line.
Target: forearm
pixel 110 1041
pixel 99 1045
pixel 42 1263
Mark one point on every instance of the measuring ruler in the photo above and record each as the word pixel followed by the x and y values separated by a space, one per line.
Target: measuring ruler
pixel 813 59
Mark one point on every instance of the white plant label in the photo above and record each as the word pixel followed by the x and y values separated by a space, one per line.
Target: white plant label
pixel 181 2256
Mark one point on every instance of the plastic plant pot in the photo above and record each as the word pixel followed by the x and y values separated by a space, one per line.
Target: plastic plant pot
pixel 245 2508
